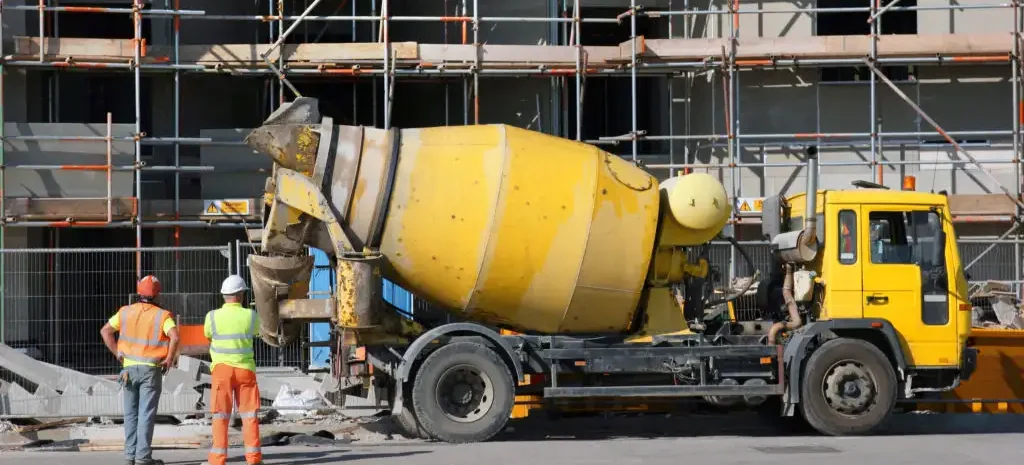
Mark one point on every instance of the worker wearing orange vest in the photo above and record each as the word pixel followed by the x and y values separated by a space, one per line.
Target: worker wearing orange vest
pixel 147 346
pixel 231 330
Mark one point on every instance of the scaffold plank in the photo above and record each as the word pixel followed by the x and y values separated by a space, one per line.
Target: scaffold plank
pixel 59 210
pixel 516 55
pixel 246 54
pixel 981 205
pixel 409 54
pixel 857 46
pixel 60 49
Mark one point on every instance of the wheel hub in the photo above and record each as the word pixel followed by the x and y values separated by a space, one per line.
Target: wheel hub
pixel 849 388
pixel 464 393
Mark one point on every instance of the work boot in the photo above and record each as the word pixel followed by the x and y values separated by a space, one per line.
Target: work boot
pixel 149 462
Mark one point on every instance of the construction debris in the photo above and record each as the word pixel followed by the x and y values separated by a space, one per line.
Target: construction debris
pixel 995 305
pixel 317 439
pixel 41 390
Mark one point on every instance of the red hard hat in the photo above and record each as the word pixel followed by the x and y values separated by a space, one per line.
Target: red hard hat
pixel 149 286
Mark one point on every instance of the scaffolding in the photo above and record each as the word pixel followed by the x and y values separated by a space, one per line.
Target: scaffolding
pixel 568 64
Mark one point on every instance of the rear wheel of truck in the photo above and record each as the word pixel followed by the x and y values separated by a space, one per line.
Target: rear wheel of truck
pixel 849 388
pixel 463 392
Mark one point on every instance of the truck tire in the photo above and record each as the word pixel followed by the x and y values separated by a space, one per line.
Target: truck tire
pixel 408 425
pixel 849 388
pixel 463 392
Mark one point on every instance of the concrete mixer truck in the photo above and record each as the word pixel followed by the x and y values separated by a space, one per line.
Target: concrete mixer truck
pixel 599 274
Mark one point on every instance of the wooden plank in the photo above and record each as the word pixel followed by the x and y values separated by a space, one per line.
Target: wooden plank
pixel 515 55
pixel 26 209
pixel 248 55
pixel 824 47
pixel 80 49
pixel 64 47
pixel 320 53
pixel 981 205
pixel 52 424
pixel 29 209
pixel 459 55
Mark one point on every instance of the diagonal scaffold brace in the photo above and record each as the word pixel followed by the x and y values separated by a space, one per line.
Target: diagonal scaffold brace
pixel 959 149
pixel 280 40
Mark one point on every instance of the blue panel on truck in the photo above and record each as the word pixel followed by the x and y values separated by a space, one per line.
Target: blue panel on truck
pixel 319 288
pixel 398 297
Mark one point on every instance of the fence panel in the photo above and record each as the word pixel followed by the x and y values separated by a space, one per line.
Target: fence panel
pixel 56 300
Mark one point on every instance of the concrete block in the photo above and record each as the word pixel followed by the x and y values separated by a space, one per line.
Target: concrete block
pixel 327 384
pixel 18 401
pixel 29 368
pixel 190 365
pixel 175 378
pixel 81 379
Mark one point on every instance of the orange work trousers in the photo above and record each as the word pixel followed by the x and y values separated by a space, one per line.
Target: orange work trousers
pixel 228 381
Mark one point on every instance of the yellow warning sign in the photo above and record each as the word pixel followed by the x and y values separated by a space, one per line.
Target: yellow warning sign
pixel 749 205
pixel 228 207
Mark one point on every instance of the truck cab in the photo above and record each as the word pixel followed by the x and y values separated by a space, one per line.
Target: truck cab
pixel 890 274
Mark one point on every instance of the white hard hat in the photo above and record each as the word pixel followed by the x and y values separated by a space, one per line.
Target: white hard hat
pixel 233 285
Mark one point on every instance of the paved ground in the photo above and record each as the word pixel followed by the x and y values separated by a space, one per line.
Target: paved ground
pixel 918 439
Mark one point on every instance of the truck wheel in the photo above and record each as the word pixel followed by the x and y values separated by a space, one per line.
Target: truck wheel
pixel 849 388
pixel 408 425
pixel 463 393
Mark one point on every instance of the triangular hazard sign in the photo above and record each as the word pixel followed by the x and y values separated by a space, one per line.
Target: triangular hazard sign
pixel 744 207
pixel 212 208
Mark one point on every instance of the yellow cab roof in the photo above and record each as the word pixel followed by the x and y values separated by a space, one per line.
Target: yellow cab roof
pixel 876 196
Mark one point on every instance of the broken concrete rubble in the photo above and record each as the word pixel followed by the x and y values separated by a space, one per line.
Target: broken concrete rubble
pixel 42 390
pixel 995 306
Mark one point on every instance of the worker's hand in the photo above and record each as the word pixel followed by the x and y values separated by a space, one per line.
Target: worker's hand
pixel 167 363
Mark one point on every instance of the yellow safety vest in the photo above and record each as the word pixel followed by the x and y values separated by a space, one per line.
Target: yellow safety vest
pixel 231 331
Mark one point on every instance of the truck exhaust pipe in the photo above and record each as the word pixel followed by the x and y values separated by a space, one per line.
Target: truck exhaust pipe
pixel 802 246
pixel 791 309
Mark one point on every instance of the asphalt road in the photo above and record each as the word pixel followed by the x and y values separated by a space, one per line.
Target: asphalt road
pixel 918 439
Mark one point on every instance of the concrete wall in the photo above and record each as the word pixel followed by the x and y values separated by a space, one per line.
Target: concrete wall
pixel 51 183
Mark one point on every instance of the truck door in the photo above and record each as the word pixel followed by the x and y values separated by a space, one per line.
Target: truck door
pixel 903 282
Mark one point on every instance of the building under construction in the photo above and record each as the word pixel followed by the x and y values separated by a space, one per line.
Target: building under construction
pixel 123 120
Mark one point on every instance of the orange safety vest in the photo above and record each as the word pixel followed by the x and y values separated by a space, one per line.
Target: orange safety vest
pixel 847 243
pixel 142 339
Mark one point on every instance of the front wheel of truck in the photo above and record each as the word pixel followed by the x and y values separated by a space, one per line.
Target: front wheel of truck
pixel 408 425
pixel 463 392
pixel 849 388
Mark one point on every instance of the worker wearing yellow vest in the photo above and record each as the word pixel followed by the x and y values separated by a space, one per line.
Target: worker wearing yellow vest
pixel 231 330
pixel 147 346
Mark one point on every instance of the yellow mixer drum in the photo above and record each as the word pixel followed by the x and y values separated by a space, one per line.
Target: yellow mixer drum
pixel 520 229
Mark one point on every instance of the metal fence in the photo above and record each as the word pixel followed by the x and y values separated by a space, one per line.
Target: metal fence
pixel 55 300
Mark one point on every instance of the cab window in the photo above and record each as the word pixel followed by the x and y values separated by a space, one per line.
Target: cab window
pixel 847 237
pixel 903 237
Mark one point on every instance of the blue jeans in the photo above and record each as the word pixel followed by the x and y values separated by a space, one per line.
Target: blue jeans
pixel 141 396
